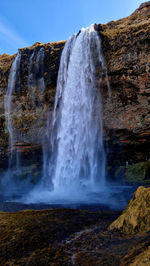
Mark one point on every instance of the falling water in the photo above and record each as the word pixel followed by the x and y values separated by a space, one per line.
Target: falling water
pixel 78 155
pixel 13 178
pixel 13 83
pixel 40 69
pixel 76 159
pixel 35 81
pixel 36 86
pixel 31 81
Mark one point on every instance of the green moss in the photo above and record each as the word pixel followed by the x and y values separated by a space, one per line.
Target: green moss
pixel 139 172
pixel 23 123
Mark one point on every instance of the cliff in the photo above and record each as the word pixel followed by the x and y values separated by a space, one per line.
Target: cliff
pixel 126 49
pixel 126 46
pixel 29 116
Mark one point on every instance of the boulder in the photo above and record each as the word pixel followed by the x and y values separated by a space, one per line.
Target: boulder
pixel 136 217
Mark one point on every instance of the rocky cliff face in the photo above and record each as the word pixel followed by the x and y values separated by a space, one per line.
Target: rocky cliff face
pixel 30 107
pixel 126 48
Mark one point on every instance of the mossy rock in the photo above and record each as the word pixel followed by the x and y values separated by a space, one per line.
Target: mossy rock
pixel 136 217
pixel 139 172
pixel 23 123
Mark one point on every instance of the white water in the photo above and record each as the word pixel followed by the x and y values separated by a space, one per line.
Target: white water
pixel 74 166
pixel 78 155
pixel 35 80
pixel 7 182
pixel 13 80
pixel 36 86
pixel 12 180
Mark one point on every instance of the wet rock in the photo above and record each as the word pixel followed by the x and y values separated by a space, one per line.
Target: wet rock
pixel 28 119
pixel 126 48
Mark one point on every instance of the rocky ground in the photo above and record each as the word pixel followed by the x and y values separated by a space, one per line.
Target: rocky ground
pixel 78 237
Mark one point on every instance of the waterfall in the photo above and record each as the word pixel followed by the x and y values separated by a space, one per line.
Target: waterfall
pixel 13 83
pixel 40 69
pixel 77 148
pixel 31 81
pixel 73 148
pixel 35 81
pixel 13 178
pixel 36 86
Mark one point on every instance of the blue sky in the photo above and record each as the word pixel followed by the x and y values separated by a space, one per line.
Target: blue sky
pixel 24 22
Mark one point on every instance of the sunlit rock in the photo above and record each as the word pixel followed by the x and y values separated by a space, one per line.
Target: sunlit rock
pixel 136 217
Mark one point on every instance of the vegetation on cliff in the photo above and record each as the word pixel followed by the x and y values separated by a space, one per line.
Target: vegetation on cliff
pixel 138 173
